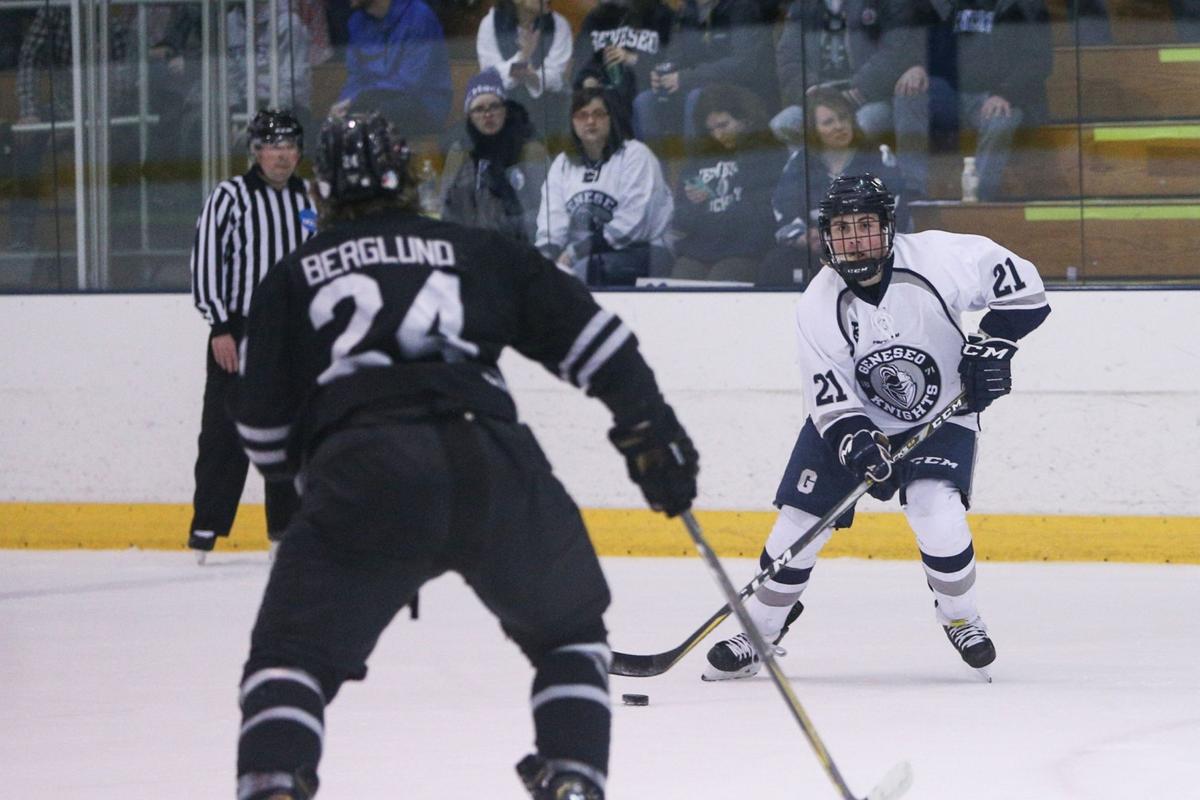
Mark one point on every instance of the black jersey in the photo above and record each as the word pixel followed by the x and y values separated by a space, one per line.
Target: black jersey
pixel 397 314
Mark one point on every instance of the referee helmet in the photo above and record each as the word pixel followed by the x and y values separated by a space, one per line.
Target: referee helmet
pixel 275 126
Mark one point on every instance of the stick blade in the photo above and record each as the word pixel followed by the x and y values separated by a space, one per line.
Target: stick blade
pixel 639 666
pixel 895 783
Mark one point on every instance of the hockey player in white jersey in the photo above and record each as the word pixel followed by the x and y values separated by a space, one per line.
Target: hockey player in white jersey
pixel 882 350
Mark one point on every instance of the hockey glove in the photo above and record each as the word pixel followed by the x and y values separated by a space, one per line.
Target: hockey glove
pixel 661 460
pixel 986 370
pixel 867 453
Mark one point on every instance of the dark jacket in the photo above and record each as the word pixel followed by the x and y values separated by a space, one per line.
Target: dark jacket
pixel 495 182
pixel 731 44
pixel 647 34
pixel 881 43
pixel 1001 47
pixel 736 219
pixel 790 203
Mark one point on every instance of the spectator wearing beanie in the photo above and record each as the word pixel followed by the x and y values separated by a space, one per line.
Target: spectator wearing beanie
pixel 494 174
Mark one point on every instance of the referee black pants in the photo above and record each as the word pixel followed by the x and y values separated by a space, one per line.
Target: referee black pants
pixel 221 466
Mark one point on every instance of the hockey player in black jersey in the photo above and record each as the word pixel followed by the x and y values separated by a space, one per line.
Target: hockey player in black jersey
pixel 369 376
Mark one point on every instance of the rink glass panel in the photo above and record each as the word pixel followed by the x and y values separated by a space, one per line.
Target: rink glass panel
pixel 101 187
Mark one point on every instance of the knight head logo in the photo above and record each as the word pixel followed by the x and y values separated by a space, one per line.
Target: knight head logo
pixel 898 385
pixel 902 381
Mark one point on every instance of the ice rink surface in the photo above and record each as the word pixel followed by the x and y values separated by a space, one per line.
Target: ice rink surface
pixel 118 676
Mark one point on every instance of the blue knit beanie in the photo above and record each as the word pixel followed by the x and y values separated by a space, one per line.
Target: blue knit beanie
pixel 486 82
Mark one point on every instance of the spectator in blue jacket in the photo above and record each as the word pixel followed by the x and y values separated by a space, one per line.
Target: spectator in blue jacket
pixel 397 64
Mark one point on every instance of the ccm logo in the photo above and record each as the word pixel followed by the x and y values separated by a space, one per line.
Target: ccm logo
pixel 934 461
pixel 986 350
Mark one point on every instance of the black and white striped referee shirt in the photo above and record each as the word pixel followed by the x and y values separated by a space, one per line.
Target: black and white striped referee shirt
pixel 245 227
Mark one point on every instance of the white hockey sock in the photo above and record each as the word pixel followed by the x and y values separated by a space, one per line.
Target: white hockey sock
pixel 770 605
pixel 937 516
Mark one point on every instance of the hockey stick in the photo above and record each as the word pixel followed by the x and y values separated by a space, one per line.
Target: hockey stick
pixel 894 783
pixel 646 666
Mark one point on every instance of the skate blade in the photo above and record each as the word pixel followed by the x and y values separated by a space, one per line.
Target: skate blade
pixel 716 677
pixel 983 673
pixel 201 556
pixel 896 782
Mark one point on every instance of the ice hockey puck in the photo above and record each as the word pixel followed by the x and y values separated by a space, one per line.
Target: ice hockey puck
pixel 635 699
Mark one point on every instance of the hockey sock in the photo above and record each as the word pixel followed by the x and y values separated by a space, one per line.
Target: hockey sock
pixel 937 515
pixel 283 729
pixel 571 711
pixel 773 600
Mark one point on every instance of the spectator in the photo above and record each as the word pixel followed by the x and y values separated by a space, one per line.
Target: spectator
pixel 619 43
pixel 605 207
pixel 295 69
pixel 494 178
pixel 863 47
pixel 397 64
pixel 723 207
pixel 838 148
pixel 530 47
pixel 987 67
pixel 717 41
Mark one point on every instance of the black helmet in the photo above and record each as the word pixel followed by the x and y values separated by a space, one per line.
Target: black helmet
pixel 359 157
pixel 274 125
pixel 854 194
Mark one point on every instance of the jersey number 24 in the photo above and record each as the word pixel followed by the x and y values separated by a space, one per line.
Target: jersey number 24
pixel 433 323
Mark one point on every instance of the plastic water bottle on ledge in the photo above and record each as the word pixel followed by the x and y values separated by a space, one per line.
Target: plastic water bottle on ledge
pixel 970 181
pixel 427 188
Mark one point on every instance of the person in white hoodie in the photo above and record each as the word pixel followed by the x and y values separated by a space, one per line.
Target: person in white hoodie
pixel 530 46
pixel 605 208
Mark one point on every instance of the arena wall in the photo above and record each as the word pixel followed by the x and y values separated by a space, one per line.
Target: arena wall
pixel 101 403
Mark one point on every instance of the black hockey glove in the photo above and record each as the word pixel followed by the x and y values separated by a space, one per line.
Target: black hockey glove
pixel 986 370
pixel 867 453
pixel 661 460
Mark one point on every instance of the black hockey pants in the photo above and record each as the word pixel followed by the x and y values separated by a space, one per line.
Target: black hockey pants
pixel 389 506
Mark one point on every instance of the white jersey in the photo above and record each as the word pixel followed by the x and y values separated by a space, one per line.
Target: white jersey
pixel 897 362
pixel 627 195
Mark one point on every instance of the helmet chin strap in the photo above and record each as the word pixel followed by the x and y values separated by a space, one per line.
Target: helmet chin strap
pixel 860 270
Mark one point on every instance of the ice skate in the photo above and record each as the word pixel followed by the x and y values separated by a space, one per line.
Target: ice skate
pixel 556 780
pixel 201 544
pixel 735 658
pixel 971 640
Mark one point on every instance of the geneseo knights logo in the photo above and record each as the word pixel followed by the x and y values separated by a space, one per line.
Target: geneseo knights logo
pixel 595 199
pixel 903 381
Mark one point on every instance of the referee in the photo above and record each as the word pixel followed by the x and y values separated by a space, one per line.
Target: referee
pixel 249 222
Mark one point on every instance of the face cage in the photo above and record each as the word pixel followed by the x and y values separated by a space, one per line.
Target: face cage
pixel 862 269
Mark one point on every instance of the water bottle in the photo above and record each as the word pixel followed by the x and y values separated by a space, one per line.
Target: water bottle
pixel 886 156
pixel 427 188
pixel 614 73
pixel 970 181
